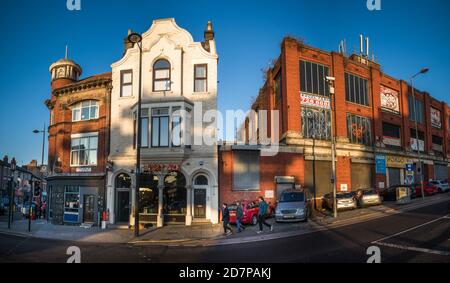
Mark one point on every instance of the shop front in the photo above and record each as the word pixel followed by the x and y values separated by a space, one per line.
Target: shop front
pixel 75 201
pixel 396 174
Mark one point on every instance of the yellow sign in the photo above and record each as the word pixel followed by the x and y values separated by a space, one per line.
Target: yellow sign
pixel 397 161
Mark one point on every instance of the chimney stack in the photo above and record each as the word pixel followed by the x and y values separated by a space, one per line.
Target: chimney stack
pixel 127 43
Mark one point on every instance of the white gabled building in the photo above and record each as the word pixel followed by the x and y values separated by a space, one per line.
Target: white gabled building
pixel 179 183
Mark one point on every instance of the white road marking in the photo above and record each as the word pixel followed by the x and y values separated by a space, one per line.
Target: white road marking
pixel 428 251
pixel 411 229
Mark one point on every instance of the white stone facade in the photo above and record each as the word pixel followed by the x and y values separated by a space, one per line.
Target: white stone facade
pixel 165 40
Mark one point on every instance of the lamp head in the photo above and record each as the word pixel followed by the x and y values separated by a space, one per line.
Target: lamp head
pixel 135 38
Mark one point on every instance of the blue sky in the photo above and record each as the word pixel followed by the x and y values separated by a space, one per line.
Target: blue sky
pixel 405 35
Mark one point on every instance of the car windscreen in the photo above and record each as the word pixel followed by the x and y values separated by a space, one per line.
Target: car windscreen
pixel 371 192
pixel 292 197
pixel 346 195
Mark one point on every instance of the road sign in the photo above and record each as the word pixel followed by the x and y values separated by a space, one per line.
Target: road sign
pixel 380 161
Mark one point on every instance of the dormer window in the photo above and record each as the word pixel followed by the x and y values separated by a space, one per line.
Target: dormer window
pixel 86 110
pixel 161 76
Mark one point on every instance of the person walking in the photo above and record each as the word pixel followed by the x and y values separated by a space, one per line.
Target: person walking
pixel 226 220
pixel 262 215
pixel 44 210
pixel 239 216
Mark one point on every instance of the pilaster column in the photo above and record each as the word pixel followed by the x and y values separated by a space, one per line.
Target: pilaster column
pixel 189 200
pixel 160 222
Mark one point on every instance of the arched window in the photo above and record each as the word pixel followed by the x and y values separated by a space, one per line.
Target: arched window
pixel 201 181
pixel 86 110
pixel 161 75
pixel 123 181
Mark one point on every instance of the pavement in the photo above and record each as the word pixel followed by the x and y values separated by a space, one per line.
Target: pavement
pixel 205 235
pixel 421 234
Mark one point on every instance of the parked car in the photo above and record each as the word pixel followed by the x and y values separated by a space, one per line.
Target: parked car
pixel 343 200
pixel 428 188
pixel 442 186
pixel 251 209
pixel 390 194
pixel 292 207
pixel 367 197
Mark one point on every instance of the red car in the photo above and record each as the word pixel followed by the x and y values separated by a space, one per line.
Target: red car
pixel 429 189
pixel 251 209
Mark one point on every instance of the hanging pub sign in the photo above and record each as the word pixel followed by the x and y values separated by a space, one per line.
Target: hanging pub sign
pixel 436 118
pixel 315 101
pixel 389 100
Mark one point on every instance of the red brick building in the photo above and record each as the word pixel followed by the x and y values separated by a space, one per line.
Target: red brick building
pixel 78 143
pixel 373 119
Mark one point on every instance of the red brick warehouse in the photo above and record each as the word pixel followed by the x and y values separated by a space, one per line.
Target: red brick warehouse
pixel 373 114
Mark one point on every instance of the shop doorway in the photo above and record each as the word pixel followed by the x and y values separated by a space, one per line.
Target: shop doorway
pixel 123 189
pixel 88 208
pixel 200 196
pixel 123 206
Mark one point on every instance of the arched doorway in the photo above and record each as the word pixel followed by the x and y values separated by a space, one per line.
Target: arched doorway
pixel 123 198
pixel 201 184
pixel 175 198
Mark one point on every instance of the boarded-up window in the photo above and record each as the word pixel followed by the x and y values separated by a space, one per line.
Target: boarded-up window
pixel 246 170
pixel 362 176
pixel 322 177
pixel 394 177
pixel 440 172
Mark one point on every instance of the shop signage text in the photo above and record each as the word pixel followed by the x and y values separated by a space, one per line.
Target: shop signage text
pixel 315 101
pixel 414 144
pixel 83 170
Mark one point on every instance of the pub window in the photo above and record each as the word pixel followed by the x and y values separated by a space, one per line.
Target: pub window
pixel 160 127
pixel 246 170
pixel 312 78
pixel 71 204
pixel 316 123
pixel 356 89
pixel 420 117
pixel 161 76
pixel 126 83
pixel 201 78
pixel 145 127
pixel 359 129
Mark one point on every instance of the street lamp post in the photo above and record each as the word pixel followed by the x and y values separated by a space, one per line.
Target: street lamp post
pixel 43 142
pixel 330 81
pixel 136 38
pixel 422 71
pixel 11 196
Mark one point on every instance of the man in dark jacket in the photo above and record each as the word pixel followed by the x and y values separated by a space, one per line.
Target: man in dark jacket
pixel 262 214
pixel 226 220
pixel 239 216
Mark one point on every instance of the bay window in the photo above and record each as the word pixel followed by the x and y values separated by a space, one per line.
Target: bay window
pixel 160 127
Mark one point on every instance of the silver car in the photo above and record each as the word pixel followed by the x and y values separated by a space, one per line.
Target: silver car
pixel 368 197
pixel 292 207
pixel 343 200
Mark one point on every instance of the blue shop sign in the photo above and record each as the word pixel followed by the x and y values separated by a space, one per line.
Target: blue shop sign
pixel 380 161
